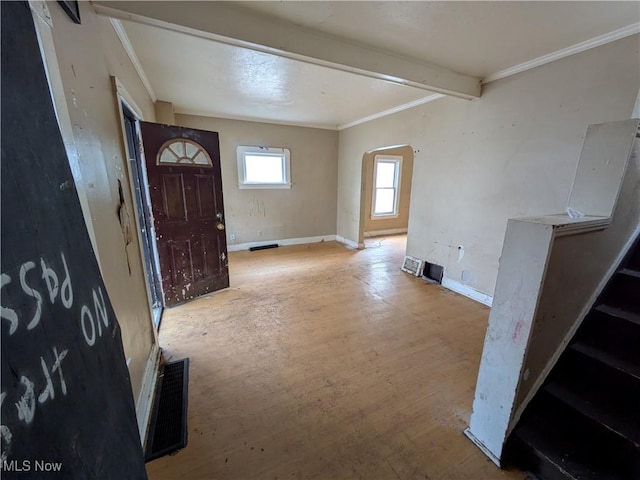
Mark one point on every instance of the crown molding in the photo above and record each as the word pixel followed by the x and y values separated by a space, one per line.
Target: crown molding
pixel 131 53
pixel 393 110
pixel 594 42
pixel 565 52
pixel 241 118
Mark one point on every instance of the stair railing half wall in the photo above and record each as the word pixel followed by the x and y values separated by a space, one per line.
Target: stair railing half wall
pixel 552 269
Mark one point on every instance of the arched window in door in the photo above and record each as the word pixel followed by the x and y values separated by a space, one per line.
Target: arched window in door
pixel 183 151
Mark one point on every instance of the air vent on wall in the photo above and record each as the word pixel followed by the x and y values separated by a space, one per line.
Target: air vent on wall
pixel 412 265
pixel 433 273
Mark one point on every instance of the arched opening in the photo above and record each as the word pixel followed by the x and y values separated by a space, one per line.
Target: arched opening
pixel 386 192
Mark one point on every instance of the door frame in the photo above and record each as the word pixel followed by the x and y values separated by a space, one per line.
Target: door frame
pixel 141 205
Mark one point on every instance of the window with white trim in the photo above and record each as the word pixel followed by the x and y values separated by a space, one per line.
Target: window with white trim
pixel 386 185
pixel 263 167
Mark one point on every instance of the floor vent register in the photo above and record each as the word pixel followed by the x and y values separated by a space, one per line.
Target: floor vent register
pixel 168 429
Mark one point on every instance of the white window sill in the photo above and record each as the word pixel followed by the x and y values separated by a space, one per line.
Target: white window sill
pixel 243 186
pixel 384 217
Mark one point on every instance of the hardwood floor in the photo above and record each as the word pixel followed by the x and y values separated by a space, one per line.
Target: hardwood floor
pixel 323 362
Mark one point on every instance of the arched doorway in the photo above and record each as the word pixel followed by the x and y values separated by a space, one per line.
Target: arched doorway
pixel 386 191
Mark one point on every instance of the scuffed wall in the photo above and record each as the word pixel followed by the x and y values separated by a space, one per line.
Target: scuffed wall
pixel 308 209
pixel 88 55
pixel 511 153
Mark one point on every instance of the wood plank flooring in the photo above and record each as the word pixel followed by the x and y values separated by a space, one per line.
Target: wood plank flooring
pixel 323 362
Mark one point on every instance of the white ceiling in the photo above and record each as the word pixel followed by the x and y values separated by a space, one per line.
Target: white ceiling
pixel 203 76
pixel 475 38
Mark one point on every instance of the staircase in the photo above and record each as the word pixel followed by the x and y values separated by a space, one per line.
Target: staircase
pixel 584 422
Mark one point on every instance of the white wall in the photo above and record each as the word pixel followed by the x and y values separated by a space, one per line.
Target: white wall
pixel 308 209
pixel 87 56
pixel 511 153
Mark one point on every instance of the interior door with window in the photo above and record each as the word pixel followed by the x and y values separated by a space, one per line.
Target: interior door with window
pixel 185 188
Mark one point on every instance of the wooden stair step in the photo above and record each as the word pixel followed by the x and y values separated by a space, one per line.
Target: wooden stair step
pixel 548 461
pixel 619 313
pixel 607 358
pixel 622 291
pixel 611 418
pixel 630 272
pixel 553 453
pixel 584 423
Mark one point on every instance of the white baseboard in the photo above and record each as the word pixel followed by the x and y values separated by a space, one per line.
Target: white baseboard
pixel 145 399
pixel 390 231
pixel 347 242
pixel 467 291
pixel 285 241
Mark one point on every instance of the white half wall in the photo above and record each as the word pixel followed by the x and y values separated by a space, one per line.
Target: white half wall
pixel 552 269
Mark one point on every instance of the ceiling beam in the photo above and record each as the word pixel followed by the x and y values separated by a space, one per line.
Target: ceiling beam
pixel 231 25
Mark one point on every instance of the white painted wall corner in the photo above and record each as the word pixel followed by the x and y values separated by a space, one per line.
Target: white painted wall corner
pixel 348 243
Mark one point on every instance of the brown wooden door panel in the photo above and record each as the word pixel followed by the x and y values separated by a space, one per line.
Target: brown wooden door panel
pixel 180 260
pixel 206 198
pixel 185 189
pixel 211 262
pixel 173 199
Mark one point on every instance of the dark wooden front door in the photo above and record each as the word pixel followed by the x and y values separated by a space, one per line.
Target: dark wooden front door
pixel 185 187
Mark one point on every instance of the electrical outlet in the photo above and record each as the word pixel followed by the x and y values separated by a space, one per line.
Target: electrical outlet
pixel 232 236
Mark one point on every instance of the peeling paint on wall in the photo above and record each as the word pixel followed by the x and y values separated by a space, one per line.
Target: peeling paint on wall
pixel 125 223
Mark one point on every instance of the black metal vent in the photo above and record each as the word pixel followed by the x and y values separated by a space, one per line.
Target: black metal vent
pixel 168 431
